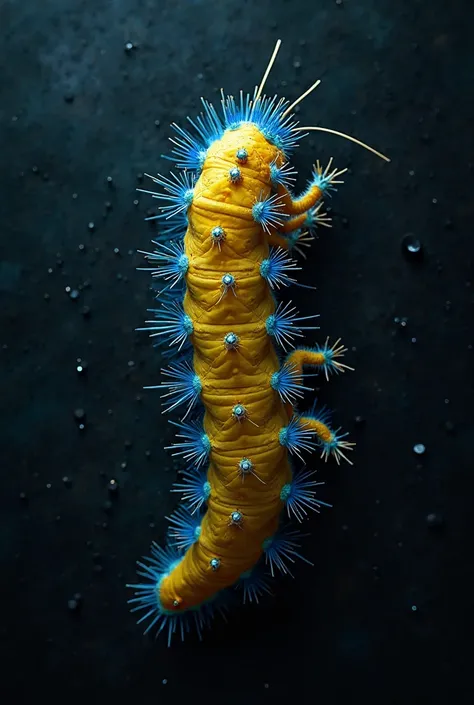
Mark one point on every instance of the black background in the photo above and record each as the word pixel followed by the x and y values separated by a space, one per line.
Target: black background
pixel 77 107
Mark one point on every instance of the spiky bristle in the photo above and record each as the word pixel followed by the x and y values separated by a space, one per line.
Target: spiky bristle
pixel 195 446
pixel 281 548
pixel 299 495
pixel 281 325
pixel 195 489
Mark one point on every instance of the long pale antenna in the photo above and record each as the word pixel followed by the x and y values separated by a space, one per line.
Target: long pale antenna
pixel 347 137
pixel 269 68
pixel 302 97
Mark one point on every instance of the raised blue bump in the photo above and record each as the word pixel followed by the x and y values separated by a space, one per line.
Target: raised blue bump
pixel 276 266
pixel 242 155
pixel 231 341
pixel 235 174
pixel 217 234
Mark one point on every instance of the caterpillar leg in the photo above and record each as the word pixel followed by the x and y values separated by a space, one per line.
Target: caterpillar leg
pixel 293 224
pixel 331 442
pixel 323 181
pixel 297 232
pixel 325 357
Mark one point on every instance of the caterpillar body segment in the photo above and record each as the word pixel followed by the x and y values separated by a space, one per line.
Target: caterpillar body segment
pixel 232 377
pixel 231 228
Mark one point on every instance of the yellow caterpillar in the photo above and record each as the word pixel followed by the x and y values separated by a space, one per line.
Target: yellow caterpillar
pixel 231 227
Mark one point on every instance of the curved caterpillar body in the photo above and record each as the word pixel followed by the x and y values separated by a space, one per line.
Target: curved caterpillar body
pixel 231 225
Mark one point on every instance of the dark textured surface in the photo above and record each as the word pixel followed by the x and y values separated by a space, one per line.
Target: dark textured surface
pixel 76 108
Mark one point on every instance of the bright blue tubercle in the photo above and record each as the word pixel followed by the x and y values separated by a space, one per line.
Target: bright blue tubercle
pixel 228 280
pixel 195 489
pixel 195 446
pixel 172 263
pixel 236 518
pixel 275 267
pixel 239 412
pixel 185 529
pixel 184 387
pixel 280 325
pixel 231 341
pixel 217 234
pixel 284 175
pixel 172 323
pixel 297 437
pixel 242 155
pixel 300 496
pixel 245 466
pixel 267 212
pixel 179 192
pixel 235 174
pixel 288 382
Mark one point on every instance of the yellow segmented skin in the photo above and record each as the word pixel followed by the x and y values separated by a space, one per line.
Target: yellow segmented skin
pixel 232 377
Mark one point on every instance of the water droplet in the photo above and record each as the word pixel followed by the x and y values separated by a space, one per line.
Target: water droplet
pixel 419 449
pixel 112 487
pixel 434 521
pixel 81 367
pixel 411 247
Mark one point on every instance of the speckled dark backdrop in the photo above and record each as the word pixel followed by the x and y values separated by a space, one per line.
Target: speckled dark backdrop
pixel 382 616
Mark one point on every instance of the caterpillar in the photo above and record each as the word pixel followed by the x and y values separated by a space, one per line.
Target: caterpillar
pixel 231 227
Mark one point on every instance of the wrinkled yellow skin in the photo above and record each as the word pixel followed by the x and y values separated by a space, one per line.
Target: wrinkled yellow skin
pixel 231 377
